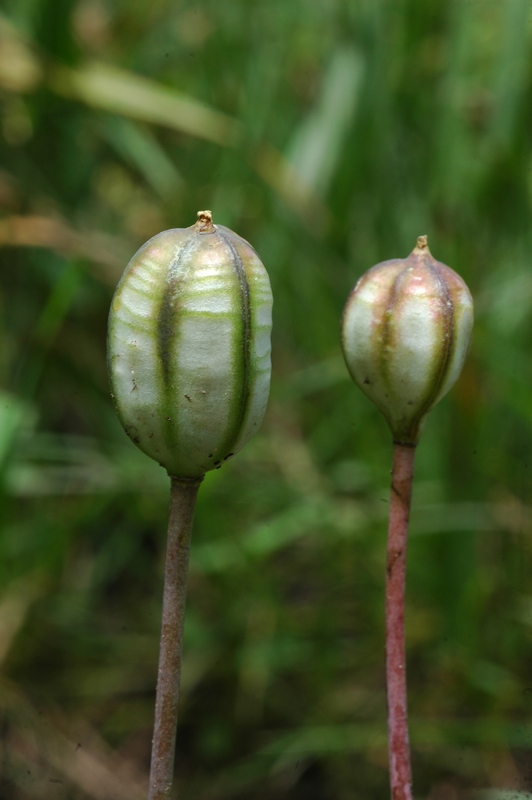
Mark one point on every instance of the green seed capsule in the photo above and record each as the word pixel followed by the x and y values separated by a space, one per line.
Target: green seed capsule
pixel 189 346
pixel 406 329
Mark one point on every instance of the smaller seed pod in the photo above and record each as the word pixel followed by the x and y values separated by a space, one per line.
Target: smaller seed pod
pixel 189 346
pixel 405 331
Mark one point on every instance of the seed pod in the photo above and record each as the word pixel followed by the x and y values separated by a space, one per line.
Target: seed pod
pixel 406 329
pixel 189 346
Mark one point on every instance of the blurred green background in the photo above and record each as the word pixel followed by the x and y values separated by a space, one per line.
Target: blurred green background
pixel 330 134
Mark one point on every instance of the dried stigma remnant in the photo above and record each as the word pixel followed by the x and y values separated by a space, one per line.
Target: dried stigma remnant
pixel 189 346
pixel 406 329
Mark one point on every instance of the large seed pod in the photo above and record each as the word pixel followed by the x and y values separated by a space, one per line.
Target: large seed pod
pixel 189 346
pixel 406 329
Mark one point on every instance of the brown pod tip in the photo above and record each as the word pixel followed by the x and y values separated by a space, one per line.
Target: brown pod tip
pixel 422 245
pixel 204 223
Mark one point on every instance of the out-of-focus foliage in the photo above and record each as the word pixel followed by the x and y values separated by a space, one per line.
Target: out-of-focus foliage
pixel 329 134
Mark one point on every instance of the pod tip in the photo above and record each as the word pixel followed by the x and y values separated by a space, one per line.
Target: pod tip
pixel 422 244
pixel 204 223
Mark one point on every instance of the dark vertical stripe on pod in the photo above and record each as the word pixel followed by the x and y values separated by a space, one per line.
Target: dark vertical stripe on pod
pixel 447 339
pixel 167 334
pixel 238 266
pixel 448 313
pixel 166 321
pixel 386 343
pixel 165 325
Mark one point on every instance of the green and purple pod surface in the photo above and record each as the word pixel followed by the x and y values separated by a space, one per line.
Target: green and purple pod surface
pixel 406 329
pixel 189 347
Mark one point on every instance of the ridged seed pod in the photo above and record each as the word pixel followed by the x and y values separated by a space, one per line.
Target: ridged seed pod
pixel 406 329
pixel 189 346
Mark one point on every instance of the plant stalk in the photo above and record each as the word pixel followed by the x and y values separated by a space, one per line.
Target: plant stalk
pixel 398 742
pixel 182 505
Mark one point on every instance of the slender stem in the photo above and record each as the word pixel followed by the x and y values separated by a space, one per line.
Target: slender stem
pixel 398 743
pixel 182 505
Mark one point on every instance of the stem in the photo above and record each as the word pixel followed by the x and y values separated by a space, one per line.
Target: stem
pixel 182 504
pixel 398 743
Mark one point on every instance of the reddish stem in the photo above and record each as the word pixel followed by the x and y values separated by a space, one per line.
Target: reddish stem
pixel 398 743
pixel 182 504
